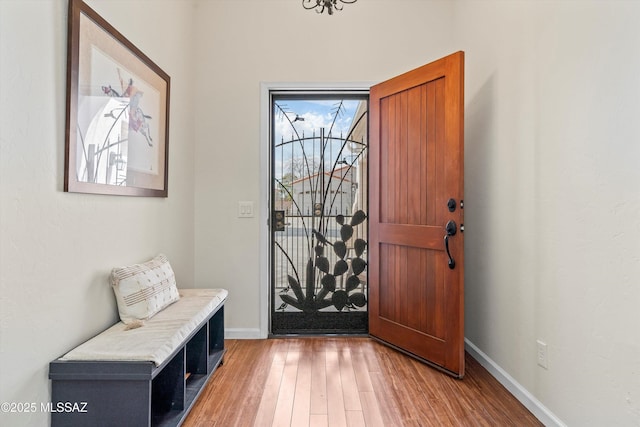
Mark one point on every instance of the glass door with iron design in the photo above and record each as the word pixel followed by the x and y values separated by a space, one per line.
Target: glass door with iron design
pixel 319 213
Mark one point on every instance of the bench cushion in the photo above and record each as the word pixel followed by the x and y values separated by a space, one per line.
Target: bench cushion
pixel 159 336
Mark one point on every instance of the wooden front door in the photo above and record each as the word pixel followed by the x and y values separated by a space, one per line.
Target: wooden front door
pixel 416 251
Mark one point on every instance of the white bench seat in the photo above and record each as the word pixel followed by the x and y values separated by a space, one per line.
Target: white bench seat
pixel 158 337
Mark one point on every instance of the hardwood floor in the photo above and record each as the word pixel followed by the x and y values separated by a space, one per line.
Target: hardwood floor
pixel 347 382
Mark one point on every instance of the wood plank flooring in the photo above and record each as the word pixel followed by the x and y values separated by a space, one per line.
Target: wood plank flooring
pixel 337 382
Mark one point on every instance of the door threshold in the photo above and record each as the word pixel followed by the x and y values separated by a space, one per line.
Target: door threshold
pixel 327 335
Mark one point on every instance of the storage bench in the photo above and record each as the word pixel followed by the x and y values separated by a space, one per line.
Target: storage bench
pixel 143 376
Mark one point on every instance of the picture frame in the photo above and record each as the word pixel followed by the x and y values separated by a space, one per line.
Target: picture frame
pixel 117 110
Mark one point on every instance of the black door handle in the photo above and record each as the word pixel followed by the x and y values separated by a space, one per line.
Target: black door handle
pixel 451 230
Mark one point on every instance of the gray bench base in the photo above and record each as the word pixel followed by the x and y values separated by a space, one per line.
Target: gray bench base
pixel 128 393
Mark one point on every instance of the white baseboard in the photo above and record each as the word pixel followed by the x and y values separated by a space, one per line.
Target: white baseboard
pixel 243 334
pixel 536 407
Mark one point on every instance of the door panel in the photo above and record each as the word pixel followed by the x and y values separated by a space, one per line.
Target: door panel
pixel 416 153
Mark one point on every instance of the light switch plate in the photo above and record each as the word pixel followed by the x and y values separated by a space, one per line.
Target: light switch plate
pixel 245 210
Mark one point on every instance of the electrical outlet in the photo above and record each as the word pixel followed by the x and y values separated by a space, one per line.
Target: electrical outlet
pixel 543 359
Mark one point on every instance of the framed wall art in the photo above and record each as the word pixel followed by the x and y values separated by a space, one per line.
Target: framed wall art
pixel 117 112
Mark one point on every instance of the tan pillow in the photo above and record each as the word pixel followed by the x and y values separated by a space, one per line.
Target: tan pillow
pixel 142 290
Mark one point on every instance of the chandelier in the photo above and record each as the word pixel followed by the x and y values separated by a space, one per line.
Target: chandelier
pixel 329 5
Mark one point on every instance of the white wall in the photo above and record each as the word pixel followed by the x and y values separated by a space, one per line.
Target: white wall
pixel 241 44
pixel 56 248
pixel 552 212
pixel 553 199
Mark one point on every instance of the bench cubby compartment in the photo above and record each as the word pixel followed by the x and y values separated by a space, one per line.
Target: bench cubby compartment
pixel 137 393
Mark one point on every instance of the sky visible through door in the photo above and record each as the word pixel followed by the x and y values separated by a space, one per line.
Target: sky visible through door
pixel 304 117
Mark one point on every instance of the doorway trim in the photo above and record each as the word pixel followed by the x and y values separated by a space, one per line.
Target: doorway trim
pixel 263 209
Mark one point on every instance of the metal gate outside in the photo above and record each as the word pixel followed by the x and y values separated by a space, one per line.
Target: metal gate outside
pixel 319 214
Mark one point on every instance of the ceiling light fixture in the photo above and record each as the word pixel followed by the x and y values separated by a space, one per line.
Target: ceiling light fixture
pixel 329 5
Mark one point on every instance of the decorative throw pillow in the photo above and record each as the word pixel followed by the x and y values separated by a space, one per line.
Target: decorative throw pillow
pixel 142 290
